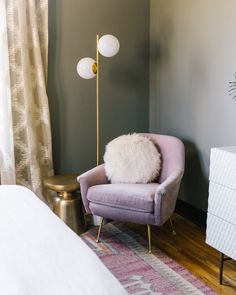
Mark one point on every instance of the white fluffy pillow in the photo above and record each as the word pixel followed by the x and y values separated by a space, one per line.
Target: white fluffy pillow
pixel 132 158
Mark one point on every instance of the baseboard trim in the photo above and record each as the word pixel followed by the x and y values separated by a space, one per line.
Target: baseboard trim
pixel 192 213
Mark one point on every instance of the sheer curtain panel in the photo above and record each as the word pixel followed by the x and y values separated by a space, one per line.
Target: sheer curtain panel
pixel 28 121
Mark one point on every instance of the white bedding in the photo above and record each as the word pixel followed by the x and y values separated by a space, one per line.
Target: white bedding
pixel 40 255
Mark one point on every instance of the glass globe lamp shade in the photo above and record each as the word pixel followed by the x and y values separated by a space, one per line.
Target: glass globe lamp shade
pixel 86 68
pixel 108 45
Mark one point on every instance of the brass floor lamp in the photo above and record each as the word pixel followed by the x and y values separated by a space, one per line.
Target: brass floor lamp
pixel 88 68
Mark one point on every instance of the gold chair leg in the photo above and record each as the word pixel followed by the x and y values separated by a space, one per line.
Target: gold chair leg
pixel 149 239
pixel 173 230
pixel 100 228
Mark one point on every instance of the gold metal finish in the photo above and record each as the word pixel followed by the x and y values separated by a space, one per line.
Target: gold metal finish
pixel 67 204
pixel 65 195
pixel 95 68
pixel 100 228
pixel 62 183
pixel 172 226
pixel 71 212
pixel 97 101
pixel 149 239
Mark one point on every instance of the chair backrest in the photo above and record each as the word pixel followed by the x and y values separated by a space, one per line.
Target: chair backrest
pixel 172 152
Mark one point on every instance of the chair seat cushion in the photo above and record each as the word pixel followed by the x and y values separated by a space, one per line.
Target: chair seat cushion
pixel 134 197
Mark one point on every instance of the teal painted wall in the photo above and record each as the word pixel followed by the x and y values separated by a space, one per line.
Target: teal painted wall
pixel 124 83
pixel 192 60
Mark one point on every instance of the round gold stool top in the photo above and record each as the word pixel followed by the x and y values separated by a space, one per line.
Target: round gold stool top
pixel 67 204
pixel 63 184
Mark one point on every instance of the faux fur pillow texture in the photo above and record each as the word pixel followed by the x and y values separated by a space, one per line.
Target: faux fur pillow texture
pixel 132 158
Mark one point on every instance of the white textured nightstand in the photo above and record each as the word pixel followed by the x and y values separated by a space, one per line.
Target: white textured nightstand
pixel 221 215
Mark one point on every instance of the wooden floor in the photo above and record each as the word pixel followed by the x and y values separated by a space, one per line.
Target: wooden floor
pixel 189 249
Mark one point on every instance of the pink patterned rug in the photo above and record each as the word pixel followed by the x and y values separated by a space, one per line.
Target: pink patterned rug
pixel 125 254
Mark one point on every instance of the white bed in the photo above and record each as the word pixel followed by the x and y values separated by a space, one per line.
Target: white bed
pixel 40 255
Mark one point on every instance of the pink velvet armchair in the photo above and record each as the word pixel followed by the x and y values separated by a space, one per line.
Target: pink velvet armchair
pixel 150 204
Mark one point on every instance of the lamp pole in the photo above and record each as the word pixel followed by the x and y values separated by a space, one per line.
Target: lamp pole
pixel 97 102
pixel 87 68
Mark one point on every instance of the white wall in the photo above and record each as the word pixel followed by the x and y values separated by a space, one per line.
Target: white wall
pixel 192 60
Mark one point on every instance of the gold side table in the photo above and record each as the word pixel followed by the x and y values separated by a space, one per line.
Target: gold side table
pixel 67 204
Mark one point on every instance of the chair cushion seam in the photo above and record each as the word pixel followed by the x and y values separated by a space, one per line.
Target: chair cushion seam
pixel 121 207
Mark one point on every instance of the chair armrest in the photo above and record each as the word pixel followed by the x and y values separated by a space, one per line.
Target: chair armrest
pixel 166 196
pixel 90 178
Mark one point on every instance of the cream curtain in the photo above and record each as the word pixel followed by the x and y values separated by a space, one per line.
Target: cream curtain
pixel 7 159
pixel 25 152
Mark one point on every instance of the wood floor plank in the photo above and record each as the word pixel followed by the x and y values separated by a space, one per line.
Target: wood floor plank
pixel 189 249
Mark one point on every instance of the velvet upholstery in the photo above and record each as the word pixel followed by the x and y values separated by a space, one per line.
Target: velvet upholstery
pixel 151 203
pixel 123 215
pixel 135 197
